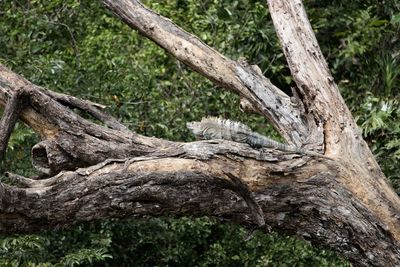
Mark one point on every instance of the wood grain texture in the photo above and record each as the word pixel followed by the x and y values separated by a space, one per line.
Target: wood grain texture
pixel 96 172
pixel 297 197
pixel 9 119
pixel 237 76
pixel 320 94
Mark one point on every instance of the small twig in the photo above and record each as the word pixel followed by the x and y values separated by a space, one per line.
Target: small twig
pixel 70 99
pixel 10 116
pixel 74 43
pixel 89 170
pixel 92 108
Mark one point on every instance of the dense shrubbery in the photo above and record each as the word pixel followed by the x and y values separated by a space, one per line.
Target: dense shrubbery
pixel 162 242
pixel 78 48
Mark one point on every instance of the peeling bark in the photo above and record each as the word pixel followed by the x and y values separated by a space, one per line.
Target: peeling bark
pixel 95 172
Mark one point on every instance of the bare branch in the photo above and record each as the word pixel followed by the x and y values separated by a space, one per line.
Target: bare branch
pixel 294 197
pixel 70 141
pixel 320 94
pixel 10 116
pixel 91 108
pixel 96 172
pixel 240 77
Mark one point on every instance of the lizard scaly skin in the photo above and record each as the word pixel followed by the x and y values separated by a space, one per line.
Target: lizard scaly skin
pixel 216 128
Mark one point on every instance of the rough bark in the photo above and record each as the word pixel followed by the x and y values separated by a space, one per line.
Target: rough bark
pixel 96 172
pixel 9 119
pixel 298 196
pixel 321 97
pixel 238 76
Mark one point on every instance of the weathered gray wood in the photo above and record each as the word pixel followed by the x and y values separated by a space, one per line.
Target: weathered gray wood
pixel 315 84
pixel 328 124
pixel 69 141
pixel 344 203
pixel 321 96
pixel 297 197
pixel 91 108
pixel 9 119
pixel 238 76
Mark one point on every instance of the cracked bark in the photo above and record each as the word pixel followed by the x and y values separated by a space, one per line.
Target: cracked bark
pixel 96 172
pixel 9 119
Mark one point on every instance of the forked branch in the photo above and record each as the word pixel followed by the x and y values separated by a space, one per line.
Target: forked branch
pixel 95 172
pixel 244 79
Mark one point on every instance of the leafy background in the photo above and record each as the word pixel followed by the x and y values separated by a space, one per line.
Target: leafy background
pixel 79 48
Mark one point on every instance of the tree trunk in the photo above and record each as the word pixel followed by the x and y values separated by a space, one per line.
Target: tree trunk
pixel 341 201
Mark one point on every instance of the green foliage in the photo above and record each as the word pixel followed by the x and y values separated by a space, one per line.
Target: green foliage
pixel 71 248
pixel 160 242
pixel 21 250
pixel 84 256
pixel 380 118
pixel 18 151
pixel 78 48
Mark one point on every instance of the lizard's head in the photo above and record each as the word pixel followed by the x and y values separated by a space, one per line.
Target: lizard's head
pixel 195 128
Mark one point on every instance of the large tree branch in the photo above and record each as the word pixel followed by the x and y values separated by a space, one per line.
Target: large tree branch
pixel 314 81
pixel 296 127
pixel 70 141
pixel 297 196
pixel 322 98
pixel 344 203
pixel 321 119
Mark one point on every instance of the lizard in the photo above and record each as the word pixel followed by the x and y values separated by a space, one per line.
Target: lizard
pixel 216 128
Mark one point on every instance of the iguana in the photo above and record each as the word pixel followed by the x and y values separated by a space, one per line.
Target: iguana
pixel 216 128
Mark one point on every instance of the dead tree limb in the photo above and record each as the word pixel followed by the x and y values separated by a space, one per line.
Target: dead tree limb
pixel 10 116
pixel 89 107
pixel 238 76
pixel 305 198
pixel 97 172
